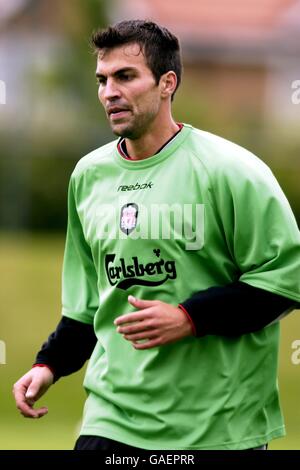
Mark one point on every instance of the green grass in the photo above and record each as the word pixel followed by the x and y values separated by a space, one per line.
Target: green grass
pixel 30 310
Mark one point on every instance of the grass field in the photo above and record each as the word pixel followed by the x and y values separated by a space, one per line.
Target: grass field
pixel 30 310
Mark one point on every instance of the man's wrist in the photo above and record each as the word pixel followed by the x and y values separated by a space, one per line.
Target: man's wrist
pixel 181 307
pixel 44 365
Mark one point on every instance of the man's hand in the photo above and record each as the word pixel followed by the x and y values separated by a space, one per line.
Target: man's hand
pixel 30 388
pixel 155 322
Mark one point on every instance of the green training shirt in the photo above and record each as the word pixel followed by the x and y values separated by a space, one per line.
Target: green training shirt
pixel 202 212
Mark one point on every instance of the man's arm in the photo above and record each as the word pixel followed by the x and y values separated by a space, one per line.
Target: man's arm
pixel 65 352
pixel 235 309
pixel 68 347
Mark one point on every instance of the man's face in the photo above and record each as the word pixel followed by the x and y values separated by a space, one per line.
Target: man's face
pixel 127 90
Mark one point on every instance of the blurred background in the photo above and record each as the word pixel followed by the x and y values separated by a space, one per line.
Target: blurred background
pixel 241 81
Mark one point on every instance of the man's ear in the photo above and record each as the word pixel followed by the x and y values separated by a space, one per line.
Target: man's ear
pixel 168 83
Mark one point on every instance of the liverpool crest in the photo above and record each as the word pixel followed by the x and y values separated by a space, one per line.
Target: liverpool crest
pixel 128 218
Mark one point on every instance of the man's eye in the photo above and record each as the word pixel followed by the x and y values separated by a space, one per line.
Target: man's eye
pixel 125 77
pixel 100 81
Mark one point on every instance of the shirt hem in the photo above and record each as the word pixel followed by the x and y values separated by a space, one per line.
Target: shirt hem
pixel 83 318
pixel 144 444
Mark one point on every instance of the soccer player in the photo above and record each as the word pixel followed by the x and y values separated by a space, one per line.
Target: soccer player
pixel 181 255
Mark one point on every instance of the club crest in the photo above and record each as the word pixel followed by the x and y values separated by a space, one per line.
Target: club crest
pixel 128 218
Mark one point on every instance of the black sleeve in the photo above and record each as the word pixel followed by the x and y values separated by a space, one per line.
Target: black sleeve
pixel 68 347
pixel 234 309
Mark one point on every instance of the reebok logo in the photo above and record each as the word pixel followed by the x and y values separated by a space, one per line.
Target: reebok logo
pixel 135 187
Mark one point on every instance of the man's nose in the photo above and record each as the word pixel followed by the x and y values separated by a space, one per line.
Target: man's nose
pixel 111 90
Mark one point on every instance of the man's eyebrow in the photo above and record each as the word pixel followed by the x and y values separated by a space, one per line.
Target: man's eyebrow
pixel 118 72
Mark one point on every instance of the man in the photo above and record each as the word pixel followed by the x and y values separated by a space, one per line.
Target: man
pixel 181 254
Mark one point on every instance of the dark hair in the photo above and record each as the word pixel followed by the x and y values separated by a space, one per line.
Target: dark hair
pixel 159 46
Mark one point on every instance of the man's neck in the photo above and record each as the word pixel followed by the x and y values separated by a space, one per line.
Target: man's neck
pixel 149 143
